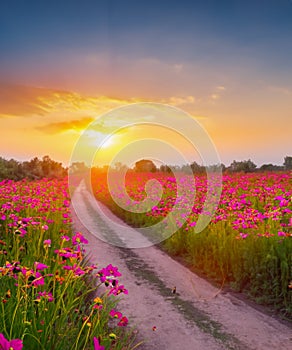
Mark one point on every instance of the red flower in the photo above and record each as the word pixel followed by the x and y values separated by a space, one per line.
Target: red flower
pixel 123 322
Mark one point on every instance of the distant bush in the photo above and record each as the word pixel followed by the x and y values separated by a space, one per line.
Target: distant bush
pixel 33 170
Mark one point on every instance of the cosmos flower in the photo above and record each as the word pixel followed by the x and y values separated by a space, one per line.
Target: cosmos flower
pixel 96 345
pixel 40 266
pixel 115 314
pixel 15 344
pixel 47 243
pixel 123 322
pixel 78 238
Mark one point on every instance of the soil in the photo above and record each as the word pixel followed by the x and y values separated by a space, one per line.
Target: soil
pixel 170 306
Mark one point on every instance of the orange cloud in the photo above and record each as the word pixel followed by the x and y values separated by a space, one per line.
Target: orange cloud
pixel 27 101
pixel 17 100
pixel 55 128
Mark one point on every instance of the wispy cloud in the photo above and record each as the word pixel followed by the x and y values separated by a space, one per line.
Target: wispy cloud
pixel 76 125
pixel 179 101
pixel 54 111
pixel 27 101
pixel 217 93
pixel 23 101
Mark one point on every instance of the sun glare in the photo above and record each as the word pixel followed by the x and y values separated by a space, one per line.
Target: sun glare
pixel 108 142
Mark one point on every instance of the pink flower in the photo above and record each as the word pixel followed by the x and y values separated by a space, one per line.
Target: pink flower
pixel 40 266
pixel 115 314
pixel 116 290
pixel 15 344
pixel 108 273
pixel 47 243
pixel 39 280
pixel 45 295
pixel 75 268
pixel 96 345
pixel 281 234
pixel 66 203
pixel 78 238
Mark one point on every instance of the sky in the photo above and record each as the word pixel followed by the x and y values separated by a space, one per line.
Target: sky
pixel 228 64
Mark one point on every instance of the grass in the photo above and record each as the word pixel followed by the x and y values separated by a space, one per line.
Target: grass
pixel 51 296
pixel 248 243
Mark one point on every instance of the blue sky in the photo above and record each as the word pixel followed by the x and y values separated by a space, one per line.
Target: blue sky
pixel 254 33
pixel 232 57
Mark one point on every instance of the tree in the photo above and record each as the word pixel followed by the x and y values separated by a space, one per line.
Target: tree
pixel 216 167
pixel 288 163
pixel 51 168
pixel 165 168
pixel 145 165
pixel 78 167
pixel 246 166
pixel 33 169
pixel 271 167
pixel 120 167
pixel 196 168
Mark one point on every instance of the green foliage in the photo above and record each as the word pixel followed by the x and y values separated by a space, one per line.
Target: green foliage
pixel 246 166
pixel 47 286
pixel 288 163
pixel 32 170
pixel 259 266
pixel 247 244
pixel 145 165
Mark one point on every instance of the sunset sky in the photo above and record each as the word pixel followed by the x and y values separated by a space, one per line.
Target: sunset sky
pixel 226 63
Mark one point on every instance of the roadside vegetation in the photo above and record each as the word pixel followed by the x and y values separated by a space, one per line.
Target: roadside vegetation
pixel 51 296
pixel 248 244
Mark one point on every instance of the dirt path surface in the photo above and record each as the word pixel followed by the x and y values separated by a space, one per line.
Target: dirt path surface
pixel 197 316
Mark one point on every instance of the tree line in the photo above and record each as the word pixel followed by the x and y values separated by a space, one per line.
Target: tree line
pixel 33 169
pixel 146 165
pixel 246 166
pixel 47 168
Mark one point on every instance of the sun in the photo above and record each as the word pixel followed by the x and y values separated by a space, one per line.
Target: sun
pixel 107 143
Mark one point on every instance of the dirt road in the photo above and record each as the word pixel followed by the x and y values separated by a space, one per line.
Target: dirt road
pixel 197 316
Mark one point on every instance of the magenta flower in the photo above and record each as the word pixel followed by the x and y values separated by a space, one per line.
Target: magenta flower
pixel 78 238
pixel 115 314
pixel 66 203
pixel 75 268
pixel 67 253
pixel 39 280
pixel 45 295
pixel 108 273
pixel 96 345
pixel 15 344
pixel 40 266
pixel 243 235
pixel 65 238
pixel 47 243
pixel 116 290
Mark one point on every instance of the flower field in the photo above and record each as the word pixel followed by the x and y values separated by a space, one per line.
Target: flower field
pixel 51 297
pixel 247 245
